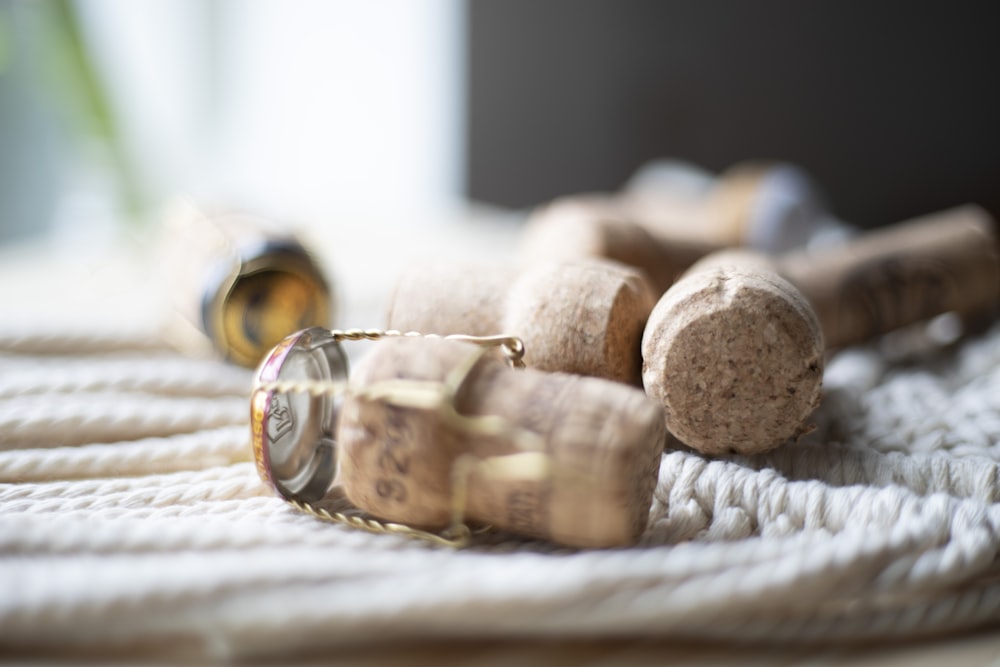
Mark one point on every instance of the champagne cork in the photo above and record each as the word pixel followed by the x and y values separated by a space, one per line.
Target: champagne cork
pixel 765 206
pixel 733 349
pixel 576 465
pixel 768 206
pixel 583 317
pixel 734 354
pixel 899 275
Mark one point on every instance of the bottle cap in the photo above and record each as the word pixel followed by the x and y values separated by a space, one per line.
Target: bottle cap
pixel 294 432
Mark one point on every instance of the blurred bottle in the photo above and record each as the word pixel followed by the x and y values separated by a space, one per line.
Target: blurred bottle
pixel 242 281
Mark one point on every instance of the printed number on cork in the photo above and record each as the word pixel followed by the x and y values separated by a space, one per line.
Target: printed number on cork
pixel 393 460
pixel 523 510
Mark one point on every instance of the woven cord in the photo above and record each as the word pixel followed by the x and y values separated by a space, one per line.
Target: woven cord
pixel 885 522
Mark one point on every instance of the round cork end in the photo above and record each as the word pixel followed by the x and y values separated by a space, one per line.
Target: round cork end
pixel 735 356
pixel 584 317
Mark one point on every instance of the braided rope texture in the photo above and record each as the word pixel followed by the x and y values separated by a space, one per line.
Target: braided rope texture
pixel 131 516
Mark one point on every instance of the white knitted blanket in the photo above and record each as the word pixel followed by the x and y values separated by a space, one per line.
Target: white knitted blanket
pixel 130 514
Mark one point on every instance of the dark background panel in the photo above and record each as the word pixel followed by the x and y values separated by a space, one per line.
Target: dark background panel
pixel 894 107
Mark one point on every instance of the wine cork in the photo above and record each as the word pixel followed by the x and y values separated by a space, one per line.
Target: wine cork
pixel 899 275
pixel 583 317
pixel 762 205
pixel 604 227
pixel 576 465
pixel 710 350
pixel 734 354
pixel 768 206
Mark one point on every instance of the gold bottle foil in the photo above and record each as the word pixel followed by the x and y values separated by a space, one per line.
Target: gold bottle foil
pixel 243 281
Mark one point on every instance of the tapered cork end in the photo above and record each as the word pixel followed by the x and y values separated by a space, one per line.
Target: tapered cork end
pixel 735 356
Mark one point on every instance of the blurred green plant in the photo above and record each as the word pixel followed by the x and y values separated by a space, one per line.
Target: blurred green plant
pixel 5 33
pixel 67 74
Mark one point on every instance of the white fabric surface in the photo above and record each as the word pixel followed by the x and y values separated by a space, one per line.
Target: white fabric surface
pixel 130 515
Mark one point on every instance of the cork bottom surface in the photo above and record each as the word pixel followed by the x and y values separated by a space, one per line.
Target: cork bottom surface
pixel 736 362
